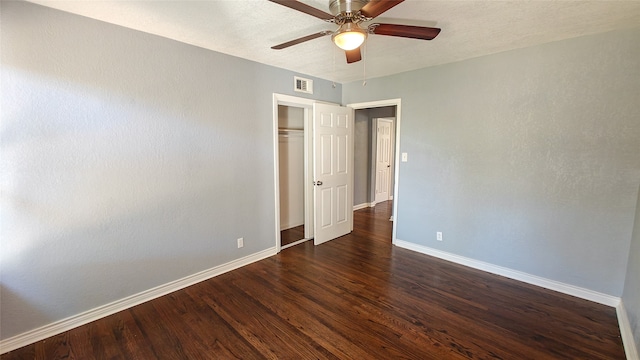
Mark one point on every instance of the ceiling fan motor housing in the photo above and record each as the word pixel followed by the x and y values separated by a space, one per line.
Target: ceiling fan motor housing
pixel 346 6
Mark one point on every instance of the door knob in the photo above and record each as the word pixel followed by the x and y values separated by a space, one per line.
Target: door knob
pixel 318 183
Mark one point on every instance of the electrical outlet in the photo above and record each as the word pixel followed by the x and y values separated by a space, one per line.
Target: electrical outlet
pixel 240 242
pixel 439 236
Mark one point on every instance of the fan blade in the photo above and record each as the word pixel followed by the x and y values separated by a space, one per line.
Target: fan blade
pixel 301 40
pixel 408 31
pixel 302 7
pixel 353 55
pixel 377 7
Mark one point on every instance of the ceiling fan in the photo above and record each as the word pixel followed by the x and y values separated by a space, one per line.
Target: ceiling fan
pixel 348 15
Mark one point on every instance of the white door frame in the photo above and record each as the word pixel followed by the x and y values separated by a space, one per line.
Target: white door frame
pixel 396 161
pixel 307 105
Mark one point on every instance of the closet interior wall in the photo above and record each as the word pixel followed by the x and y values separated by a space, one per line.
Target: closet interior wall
pixel 291 158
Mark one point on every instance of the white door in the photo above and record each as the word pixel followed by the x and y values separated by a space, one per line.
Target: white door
pixel 333 171
pixel 383 160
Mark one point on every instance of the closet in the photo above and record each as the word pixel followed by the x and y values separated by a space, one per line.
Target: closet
pixel 291 173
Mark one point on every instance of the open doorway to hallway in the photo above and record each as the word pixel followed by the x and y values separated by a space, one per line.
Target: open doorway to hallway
pixel 366 116
pixel 374 153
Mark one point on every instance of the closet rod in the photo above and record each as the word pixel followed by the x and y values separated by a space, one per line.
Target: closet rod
pixel 290 132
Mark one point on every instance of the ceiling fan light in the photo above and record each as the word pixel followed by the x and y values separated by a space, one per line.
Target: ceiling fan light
pixel 349 36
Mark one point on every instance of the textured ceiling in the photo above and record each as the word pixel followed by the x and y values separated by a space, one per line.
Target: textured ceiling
pixel 248 28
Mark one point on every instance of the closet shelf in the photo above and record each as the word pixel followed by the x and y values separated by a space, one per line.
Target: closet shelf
pixel 290 132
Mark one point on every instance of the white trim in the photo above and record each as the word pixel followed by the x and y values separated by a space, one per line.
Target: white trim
pixel 294 243
pixel 515 274
pixel 288 100
pixel 361 206
pixel 293 101
pixel 364 205
pixel 309 202
pixel 626 333
pixel 307 105
pixel 276 165
pixel 100 312
pixel 396 163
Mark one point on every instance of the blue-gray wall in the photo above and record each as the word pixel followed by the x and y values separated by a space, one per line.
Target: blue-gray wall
pixel 362 157
pixel 631 294
pixel 128 161
pixel 527 159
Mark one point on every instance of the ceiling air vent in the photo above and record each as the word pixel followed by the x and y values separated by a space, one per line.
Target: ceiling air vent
pixel 302 85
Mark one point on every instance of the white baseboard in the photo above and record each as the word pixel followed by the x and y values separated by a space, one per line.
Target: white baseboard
pixel 364 205
pixel 361 206
pixel 627 335
pixel 86 317
pixel 514 274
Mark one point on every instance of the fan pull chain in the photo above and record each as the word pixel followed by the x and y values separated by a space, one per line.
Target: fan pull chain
pixel 364 65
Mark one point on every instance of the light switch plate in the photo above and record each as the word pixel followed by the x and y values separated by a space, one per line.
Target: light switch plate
pixel 404 157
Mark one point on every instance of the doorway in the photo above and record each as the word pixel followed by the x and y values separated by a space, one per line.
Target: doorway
pixel 367 116
pixel 383 159
pixel 291 155
pixel 327 140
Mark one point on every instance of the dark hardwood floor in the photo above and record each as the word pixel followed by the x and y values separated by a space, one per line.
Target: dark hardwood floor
pixel 292 235
pixel 356 297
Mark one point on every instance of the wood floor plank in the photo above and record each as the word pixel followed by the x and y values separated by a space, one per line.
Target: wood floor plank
pixel 224 342
pixel 128 335
pixel 291 235
pixel 156 333
pixel 356 297
pixel 174 311
pixel 286 302
pixel 406 301
pixel 339 329
pixel 285 341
